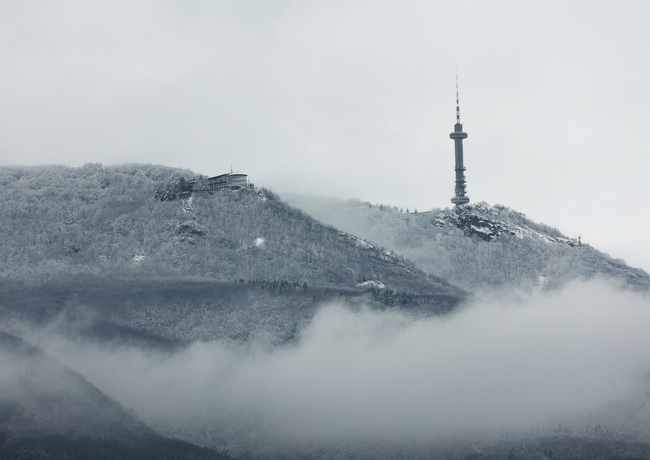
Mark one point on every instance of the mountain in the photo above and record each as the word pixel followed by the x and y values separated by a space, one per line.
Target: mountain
pixel 204 300
pixel 114 258
pixel 108 220
pixel 49 411
pixel 476 246
pixel 114 254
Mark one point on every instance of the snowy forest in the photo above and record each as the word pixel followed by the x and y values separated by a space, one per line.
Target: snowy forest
pixel 123 220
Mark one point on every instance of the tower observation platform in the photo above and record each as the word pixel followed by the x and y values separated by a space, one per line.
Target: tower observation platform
pixel 458 135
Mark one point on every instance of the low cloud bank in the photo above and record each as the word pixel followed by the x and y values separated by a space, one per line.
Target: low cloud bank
pixel 364 375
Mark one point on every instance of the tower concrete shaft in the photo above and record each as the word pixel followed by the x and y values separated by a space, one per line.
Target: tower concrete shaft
pixel 458 135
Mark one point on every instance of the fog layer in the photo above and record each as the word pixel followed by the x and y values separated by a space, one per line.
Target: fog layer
pixel 492 366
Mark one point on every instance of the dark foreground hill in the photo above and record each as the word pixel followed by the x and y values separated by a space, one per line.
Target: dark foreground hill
pixel 476 246
pixel 50 411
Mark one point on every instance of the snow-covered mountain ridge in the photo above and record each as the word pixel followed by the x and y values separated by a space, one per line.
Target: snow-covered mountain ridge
pixel 105 220
pixel 230 264
pixel 476 246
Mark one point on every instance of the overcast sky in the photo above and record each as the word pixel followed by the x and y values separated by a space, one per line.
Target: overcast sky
pixel 353 99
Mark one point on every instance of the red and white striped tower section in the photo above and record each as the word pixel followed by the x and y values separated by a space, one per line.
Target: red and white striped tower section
pixel 458 135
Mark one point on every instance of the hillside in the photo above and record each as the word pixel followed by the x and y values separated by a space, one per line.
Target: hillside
pixel 50 411
pixel 476 246
pixel 114 254
pixel 107 220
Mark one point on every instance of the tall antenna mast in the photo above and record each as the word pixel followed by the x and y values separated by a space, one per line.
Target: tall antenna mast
pixel 457 103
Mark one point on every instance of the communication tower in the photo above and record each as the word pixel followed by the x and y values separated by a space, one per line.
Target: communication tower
pixel 458 135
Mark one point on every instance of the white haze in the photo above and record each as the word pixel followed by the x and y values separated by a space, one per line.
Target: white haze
pixel 493 366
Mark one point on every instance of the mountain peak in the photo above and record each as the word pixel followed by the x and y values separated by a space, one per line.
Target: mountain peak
pixel 476 246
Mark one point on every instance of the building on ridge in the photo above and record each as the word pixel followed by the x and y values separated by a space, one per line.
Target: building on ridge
pixel 229 180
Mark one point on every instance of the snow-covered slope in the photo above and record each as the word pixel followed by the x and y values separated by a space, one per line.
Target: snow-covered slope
pixel 476 246
pixel 98 252
pixel 108 220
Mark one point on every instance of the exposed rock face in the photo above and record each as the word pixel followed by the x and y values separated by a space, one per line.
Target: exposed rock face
pixel 485 222
pixel 473 224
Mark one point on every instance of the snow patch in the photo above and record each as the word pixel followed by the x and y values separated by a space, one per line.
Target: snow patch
pixel 138 259
pixel 371 284
pixel 358 242
pixel 187 204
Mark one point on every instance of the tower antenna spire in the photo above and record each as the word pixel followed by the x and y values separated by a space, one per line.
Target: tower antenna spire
pixel 457 103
